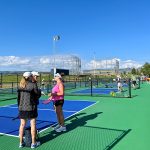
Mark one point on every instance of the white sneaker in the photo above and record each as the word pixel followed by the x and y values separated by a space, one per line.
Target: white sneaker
pixel 35 145
pixel 62 128
pixel 21 145
pixel 58 126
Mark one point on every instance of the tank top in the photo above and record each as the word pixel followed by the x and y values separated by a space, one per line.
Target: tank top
pixel 57 90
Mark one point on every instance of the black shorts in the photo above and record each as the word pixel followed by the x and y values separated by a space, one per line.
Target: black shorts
pixel 58 102
pixel 28 114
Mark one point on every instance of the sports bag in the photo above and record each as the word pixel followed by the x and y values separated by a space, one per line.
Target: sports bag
pixel 28 138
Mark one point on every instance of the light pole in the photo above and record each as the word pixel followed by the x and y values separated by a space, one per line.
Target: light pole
pixel 55 39
pixel 94 63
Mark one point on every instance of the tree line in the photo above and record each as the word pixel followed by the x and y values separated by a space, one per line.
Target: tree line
pixel 145 70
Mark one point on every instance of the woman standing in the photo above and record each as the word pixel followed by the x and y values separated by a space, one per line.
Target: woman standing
pixel 57 96
pixel 27 104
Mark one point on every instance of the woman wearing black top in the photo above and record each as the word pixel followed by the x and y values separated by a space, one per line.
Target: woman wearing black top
pixel 27 105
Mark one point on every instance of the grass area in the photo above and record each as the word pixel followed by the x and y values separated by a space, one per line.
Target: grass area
pixel 15 77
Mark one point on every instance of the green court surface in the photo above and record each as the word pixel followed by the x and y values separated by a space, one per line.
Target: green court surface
pixel 4 97
pixel 112 123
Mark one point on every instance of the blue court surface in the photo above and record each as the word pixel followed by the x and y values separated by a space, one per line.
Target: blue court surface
pixel 96 91
pixel 9 123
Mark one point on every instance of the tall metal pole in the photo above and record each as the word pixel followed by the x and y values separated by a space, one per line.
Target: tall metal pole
pixel 55 38
pixel 94 64
pixel 54 49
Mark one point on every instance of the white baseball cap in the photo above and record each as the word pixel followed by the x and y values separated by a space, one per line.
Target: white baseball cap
pixel 57 75
pixel 34 73
pixel 27 74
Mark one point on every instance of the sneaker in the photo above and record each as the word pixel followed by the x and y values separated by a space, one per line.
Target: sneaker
pixel 35 145
pixel 62 128
pixel 58 126
pixel 21 145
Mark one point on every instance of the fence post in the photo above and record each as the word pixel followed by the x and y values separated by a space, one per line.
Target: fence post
pixel 12 86
pixel 139 82
pixel 97 82
pixel 91 87
pixel 17 80
pixel 1 82
pixel 49 77
pixel 40 79
pixel 75 84
pixel 129 88
pixel 80 82
pixel 48 85
pixel 75 79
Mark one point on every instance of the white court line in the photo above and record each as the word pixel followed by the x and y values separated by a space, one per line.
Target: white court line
pixel 9 135
pixel 82 110
pixel 48 109
pixel 7 105
pixel 54 110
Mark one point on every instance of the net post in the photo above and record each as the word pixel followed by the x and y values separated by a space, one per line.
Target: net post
pixel 129 88
pixel 91 87
pixel 139 83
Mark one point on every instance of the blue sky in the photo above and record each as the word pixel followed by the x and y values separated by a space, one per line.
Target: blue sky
pixel 107 28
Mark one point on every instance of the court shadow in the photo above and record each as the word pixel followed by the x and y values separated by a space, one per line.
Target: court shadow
pixel 74 122
pixel 76 116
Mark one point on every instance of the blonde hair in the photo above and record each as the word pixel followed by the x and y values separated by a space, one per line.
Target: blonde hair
pixel 23 83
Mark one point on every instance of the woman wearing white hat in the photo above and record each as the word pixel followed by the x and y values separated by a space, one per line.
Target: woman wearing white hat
pixel 27 104
pixel 57 96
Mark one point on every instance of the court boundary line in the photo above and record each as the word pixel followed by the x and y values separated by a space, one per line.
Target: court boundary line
pixel 43 109
pixel 3 134
pixel 8 105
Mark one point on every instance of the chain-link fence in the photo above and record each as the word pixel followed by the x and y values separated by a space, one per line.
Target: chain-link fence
pixel 74 85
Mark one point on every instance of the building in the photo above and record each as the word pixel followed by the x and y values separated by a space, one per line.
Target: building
pixel 71 62
pixel 110 66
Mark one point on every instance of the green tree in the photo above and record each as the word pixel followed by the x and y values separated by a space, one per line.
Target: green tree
pixel 133 71
pixel 137 72
pixel 146 69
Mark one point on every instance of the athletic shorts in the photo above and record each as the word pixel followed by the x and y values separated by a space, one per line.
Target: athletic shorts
pixel 58 102
pixel 28 114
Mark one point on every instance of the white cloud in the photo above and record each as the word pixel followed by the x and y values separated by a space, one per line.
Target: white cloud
pixel 42 63
pixel 103 64
pixel 130 64
pixel 44 60
pixel 15 63
pixel 13 60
